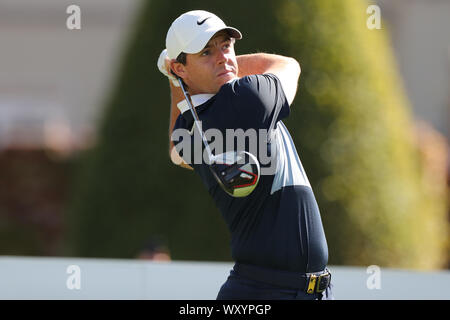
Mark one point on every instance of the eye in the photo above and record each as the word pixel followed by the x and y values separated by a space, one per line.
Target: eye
pixel 205 53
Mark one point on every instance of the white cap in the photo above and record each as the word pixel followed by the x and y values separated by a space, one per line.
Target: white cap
pixel 191 31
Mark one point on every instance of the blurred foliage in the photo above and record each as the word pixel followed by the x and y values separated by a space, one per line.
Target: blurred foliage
pixel 350 122
pixel 356 139
pixel 33 194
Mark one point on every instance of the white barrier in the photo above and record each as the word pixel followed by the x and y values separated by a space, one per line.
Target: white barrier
pixel 79 278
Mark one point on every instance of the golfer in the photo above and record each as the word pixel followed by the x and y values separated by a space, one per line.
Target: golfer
pixel 277 238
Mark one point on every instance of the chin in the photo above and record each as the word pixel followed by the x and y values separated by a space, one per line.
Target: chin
pixel 226 78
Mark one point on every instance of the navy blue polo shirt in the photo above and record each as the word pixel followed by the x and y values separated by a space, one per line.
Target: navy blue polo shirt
pixel 278 225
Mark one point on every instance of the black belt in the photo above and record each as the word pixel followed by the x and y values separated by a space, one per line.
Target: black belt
pixel 315 282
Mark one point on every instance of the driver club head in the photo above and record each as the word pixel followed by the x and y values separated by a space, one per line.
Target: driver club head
pixel 237 172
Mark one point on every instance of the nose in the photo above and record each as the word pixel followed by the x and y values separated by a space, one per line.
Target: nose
pixel 221 56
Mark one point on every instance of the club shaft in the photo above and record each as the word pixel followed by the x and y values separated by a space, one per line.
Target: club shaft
pixel 197 122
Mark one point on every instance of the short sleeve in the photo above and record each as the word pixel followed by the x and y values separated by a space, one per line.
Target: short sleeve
pixel 259 100
pixel 181 139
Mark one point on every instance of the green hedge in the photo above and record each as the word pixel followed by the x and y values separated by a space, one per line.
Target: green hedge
pixel 350 122
pixel 355 135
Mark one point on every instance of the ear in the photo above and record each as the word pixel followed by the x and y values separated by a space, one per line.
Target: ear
pixel 178 68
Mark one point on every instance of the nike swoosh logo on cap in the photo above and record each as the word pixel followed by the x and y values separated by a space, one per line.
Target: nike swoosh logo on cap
pixel 201 22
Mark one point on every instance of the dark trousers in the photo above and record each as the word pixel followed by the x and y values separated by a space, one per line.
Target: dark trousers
pixel 238 287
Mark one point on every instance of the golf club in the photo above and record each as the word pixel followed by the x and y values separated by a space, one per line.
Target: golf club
pixel 237 172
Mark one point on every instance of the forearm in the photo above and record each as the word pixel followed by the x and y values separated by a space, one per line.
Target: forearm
pixel 259 63
pixel 286 69
pixel 176 95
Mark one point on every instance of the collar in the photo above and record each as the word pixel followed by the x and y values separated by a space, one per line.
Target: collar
pixel 197 99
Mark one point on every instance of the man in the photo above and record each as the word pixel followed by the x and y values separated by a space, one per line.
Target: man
pixel 278 242
pixel 155 249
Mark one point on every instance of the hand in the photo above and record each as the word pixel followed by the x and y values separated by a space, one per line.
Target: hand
pixel 163 66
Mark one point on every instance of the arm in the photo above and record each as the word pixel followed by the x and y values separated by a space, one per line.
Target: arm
pixel 176 95
pixel 285 68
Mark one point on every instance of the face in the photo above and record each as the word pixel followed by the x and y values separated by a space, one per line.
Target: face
pixel 208 70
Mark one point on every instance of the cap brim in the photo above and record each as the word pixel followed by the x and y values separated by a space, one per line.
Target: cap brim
pixel 200 42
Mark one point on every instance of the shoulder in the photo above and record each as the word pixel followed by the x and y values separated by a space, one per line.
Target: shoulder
pixel 255 89
pixel 254 101
pixel 252 84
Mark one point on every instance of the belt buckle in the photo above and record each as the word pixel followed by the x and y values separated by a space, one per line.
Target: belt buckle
pixel 311 284
pixel 315 283
pixel 327 277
